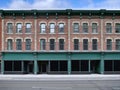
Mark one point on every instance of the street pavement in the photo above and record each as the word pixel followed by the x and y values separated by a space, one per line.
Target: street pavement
pixel 60 82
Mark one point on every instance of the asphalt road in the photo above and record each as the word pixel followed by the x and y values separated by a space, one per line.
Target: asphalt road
pixel 59 84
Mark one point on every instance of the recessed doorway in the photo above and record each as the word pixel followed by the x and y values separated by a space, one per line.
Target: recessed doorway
pixel 43 67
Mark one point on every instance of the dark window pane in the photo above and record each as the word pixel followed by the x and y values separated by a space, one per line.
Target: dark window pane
pixel 85 44
pixel 84 65
pixel 108 65
pixel 42 44
pixel 52 44
pixel 109 44
pixel 117 44
pixel 28 44
pixel 76 44
pixel 61 44
pixel 94 44
pixel 18 44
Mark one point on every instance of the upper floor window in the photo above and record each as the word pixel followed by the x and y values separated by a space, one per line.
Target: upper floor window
pixel 117 28
pixel 61 28
pixel 42 28
pixel 18 44
pixel 28 28
pixel 117 44
pixel 76 44
pixel 42 44
pixel 19 28
pixel 85 44
pixel 52 28
pixel 61 44
pixel 9 28
pixel 28 44
pixel 94 28
pixel 52 44
pixel 76 27
pixel 94 44
pixel 85 27
pixel 109 44
pixel 108 28
pixel 9 44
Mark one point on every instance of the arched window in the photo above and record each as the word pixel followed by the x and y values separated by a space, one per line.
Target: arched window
pixel 18 44
pixel 42 44
pixel 52 44
pixel 52 28
pixel 61 44
pixel 9 44
pixel 9 28
pixel 28 44
pixel 42 28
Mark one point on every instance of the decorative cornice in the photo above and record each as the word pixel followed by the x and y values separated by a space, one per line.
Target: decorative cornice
pixel 68 12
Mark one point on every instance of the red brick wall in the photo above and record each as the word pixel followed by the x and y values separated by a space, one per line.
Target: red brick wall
pixel 65 35
pixel 0 34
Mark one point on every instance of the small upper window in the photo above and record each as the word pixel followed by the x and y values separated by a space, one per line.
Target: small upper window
pixel 42 28
pixel 108 28
pixel 52 28
pixel 9 28
pixel 76 27
pixel 117 28
pixel 28 28
pixel 19 28
pixel 61 28
pixel 85 27
pixel 94 28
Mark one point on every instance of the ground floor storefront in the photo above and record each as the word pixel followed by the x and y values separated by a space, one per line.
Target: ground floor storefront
pixel 60 63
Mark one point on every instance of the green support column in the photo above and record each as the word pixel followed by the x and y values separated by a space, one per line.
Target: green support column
pixel 2 67
pixel 22 66
pixel 69 66
pixel 89 67
pixel 35 67
pixel 102 64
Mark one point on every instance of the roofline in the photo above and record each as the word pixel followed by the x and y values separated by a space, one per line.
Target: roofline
pixel 69 12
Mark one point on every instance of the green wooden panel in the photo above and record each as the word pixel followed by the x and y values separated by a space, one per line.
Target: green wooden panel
pixel 52 56
pixel 112 56
pixel 18 56
pixel 85 56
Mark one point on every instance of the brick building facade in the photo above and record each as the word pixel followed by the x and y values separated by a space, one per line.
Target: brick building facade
pixel 60 41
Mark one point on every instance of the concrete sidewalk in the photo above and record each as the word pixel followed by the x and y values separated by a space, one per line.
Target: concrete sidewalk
pixel 60 77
